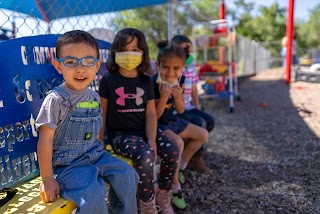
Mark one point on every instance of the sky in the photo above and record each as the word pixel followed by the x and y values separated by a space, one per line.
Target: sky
pixel 301 7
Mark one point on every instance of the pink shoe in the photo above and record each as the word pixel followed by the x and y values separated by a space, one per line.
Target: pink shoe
pixel 148 207
pixel 164 201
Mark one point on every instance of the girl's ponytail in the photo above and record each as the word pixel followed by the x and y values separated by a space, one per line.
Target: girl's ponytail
pixel 162 44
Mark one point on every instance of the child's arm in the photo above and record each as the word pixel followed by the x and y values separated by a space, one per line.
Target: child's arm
pixel 195 97
pixel 49 187
pixel 151 126
pixel 194 89
pixel 165 92
pixel 178 97
pixel 104 106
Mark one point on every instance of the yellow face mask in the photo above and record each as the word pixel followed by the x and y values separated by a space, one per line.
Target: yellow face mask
pixel 128 59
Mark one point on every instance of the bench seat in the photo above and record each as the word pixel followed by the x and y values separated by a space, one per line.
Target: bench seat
pixel 27 200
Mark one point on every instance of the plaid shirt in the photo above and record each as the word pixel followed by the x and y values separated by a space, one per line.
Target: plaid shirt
pixel 192 79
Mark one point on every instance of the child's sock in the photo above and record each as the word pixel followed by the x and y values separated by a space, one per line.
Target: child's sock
pixel 183 165
pixel 176 187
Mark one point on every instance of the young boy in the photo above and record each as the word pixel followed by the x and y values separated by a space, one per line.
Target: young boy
pixel 73 162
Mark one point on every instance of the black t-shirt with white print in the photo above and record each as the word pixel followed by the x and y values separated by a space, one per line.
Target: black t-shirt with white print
pixel 127 101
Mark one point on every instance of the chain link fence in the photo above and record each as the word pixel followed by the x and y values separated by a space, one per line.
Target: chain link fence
pixel 252 57
pixel 14 24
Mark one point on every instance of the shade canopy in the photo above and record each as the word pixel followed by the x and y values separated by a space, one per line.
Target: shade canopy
pixel 49 10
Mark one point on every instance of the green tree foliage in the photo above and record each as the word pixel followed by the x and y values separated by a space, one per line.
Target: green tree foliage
pixel 153 21
pixel 309 31
pixel 268 26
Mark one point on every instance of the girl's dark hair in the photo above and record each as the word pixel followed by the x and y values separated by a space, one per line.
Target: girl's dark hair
pixel 167 50
pixel 76 37
pixel 179 39
pixel 119 44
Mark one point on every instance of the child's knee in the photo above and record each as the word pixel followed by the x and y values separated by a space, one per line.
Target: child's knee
pixel 127 178
pixel 130 173
pixel 204 135
pixel 180 144
pixel 145 158
pixel 132 179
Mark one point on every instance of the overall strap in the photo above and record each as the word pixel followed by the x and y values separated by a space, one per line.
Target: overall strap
pixel 63 94
pixel 59 91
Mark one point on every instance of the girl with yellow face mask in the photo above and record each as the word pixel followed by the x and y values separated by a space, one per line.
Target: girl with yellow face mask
pixel 130 118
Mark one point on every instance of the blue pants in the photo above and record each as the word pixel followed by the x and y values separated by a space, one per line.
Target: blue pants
pixel 83 166
pixel 86 178
pixel 199 118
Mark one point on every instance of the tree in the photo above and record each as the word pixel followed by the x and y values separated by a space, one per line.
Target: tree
pixel 153 21
pixel 309 31
pixel 268 26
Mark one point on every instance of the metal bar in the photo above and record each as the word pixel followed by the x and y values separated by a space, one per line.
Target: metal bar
pixel 289 32
pixel 235 65
pixel 231 96
pixel 170 19
pixel 222 15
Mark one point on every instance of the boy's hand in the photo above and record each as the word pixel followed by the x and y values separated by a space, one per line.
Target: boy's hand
pixel 177 92
pixel 49 190
pixel 165 90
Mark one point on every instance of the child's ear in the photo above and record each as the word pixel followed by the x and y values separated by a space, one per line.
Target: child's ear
pixel 56 65
pixel 98 64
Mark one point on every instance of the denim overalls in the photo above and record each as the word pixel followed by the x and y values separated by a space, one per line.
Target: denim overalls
pixel 82 166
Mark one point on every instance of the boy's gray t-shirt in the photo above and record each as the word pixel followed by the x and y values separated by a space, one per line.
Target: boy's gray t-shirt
pixel 54 106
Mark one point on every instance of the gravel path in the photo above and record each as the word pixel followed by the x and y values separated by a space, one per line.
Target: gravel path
pixel 265 155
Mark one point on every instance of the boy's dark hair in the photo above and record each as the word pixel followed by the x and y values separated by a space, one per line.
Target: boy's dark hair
pixel 76 37
pixel 179 39
pixel 167 50
pixel 119 44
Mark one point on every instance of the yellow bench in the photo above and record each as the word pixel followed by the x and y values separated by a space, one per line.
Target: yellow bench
pixel 27 200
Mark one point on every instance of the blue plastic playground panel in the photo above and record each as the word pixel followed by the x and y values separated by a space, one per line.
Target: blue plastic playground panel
pixel 27 75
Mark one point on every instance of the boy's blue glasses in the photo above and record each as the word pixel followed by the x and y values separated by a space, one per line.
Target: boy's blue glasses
pixel 72 61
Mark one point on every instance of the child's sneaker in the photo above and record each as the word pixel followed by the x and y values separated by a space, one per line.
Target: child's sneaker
pixel 178 200
pixel 181 176
pixel 164 201
pixel 148 207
